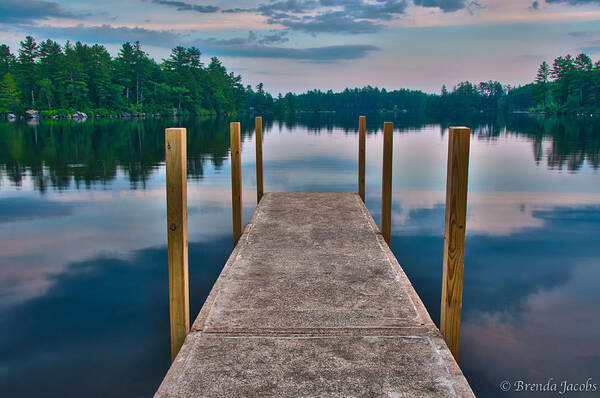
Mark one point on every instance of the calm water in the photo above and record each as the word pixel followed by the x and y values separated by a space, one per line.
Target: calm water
pixel 83 277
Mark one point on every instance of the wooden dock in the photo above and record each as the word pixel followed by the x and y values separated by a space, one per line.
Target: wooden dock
pixel 312 302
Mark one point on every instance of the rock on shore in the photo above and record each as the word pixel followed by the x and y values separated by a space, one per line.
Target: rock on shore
pixel 32 114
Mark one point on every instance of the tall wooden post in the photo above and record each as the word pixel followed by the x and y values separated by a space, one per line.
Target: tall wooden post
pixel 386 185
pixel 362 141
pixel 236 180
pixel 454 235
pixel 176 176
pixel 259 159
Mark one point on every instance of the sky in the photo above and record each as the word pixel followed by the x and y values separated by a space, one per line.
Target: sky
pixel 297 45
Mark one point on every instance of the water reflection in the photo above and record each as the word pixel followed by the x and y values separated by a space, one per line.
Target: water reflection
pixel 61 154
pixel 99 330
pixel 64 154
pixel 83 283
pixel 574 141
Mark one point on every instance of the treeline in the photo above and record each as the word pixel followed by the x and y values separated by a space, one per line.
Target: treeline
pixel 58 79
pixel 570 85
pixel 366 99
pixel 465 97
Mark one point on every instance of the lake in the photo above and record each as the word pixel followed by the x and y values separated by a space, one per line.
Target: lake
pixel 83 259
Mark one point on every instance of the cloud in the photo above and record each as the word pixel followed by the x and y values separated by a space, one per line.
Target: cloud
pixel 590 49
pixel 584 33
pixel 257 45
pixel 329 16
pixel 25 209
pixel 564 309
pixel 237 10
pixel 26 11
pixel 491 214
pixel 138 279
pixel 110 34
pixel 382 10
pixel 183 6
pixel 331 22
pixel 344 16
pixel 257 48
pixel 318 54
pixel 325 54
pixel 592 44
pixel 444 5
pixel 574 2
pixel 287 6
pixel 271 37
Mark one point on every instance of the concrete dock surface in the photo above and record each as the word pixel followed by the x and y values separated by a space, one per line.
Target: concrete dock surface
pixel 312 302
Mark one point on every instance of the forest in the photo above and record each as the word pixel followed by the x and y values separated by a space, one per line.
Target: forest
pixel 58 80
pixel 570 86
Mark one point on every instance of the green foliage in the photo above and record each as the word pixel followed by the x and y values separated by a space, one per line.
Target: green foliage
pixel 519 99
pixel 570 85
pixel 48 76
pixel 541 83
pixel 103 148
pixel 7 60
pixel 366 99
pixel 465 97
pixel 9 94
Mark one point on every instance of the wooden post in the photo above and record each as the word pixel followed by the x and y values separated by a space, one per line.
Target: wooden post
pixel 454 235
pixel 259 159
pixel 176 176
pixel 236 180
pixel 386 185
pixel 362 141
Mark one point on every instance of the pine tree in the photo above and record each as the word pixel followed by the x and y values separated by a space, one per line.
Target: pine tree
pixel 28 53
pixel 9 94
pixel 583 63
pixel 76 86
pixel 541 81
pixel 7 60
pixel 46 91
